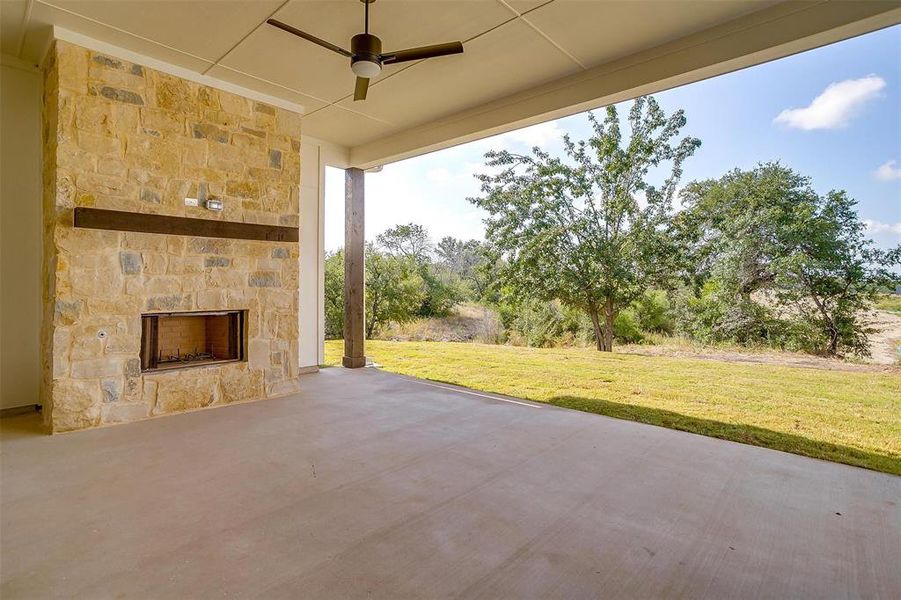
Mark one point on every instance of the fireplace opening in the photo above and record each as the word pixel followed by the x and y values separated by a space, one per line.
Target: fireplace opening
pixel 179 340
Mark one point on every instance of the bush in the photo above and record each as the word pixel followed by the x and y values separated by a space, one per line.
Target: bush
pixel 627 327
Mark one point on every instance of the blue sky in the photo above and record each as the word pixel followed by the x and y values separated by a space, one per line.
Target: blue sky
pixel 833 114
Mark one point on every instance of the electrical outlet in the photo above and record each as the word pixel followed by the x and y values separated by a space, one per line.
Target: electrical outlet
pixel 192 202
pixel 216 205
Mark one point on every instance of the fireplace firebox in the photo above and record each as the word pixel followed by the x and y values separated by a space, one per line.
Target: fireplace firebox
pixel 191 339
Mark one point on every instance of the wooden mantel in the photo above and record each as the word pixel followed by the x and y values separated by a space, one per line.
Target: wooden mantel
pixel 116 220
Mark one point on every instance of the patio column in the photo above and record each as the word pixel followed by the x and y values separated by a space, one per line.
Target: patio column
pixel 354 356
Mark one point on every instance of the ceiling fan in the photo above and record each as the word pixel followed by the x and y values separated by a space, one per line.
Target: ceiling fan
pixel 366 56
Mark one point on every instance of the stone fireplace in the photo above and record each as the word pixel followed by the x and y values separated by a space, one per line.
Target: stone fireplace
pixel 139 324
pixel 192 339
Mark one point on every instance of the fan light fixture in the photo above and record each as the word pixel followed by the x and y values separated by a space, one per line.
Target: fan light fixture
pixel 366 56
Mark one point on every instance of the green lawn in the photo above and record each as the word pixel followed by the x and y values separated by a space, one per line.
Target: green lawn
pixel 843 416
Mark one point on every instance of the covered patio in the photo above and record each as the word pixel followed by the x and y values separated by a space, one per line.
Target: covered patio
pixel 279 480
pixel 367 484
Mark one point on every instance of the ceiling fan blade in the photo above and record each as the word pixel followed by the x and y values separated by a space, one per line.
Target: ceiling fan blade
pixel 421 52
pixel 308 37
pixel 360 88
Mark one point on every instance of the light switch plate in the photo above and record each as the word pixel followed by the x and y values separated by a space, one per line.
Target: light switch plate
pixel 192 202
pixel 216 205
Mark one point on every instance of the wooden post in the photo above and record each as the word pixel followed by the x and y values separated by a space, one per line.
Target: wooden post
pixel 354 356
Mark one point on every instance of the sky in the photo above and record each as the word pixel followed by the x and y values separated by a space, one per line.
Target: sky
pixel 833 114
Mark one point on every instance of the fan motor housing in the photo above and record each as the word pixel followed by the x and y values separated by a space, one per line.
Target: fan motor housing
pixel 365 46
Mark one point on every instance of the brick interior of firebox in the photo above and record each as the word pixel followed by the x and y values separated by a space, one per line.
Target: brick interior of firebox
pixel 193 334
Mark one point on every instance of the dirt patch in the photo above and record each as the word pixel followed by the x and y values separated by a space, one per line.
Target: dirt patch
pixel 885 344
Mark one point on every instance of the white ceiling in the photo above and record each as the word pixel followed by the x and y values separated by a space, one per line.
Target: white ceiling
pixel 510 46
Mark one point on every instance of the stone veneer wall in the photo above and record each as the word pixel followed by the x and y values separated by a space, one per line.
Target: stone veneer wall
pixel 122 136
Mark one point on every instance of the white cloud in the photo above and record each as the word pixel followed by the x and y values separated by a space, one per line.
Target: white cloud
pixel 540 134
pixel 439 175
pixel 835 107
pixel 888 171
pixel 880 227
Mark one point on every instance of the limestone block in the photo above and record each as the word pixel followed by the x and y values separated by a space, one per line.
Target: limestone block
pixel 144 241
pixel 155 263
pixel 133 367
pixel 208 97
pixel 222 118
pixel 211 300
pixel 225 278
pixel 288 123
pixel 75 241
pixel 209 246
pixel 96 367
pixel 132 390
pixel 75 405
pixel 75 159
pixel 119 94
pixel 258 354
pixel 112 389
pixel 161 120
pixel 112 166
pixel 264 279
pixel 124 413
pixel 209 131
pixel 174 93
pixel 130 263
pixel 217 261
pixel 177 392
pixel 149 390
pixel 60 359
pixel 194 152
pixel 288 327
pixel 92 114
pixel 235 104
pixel 100 281
pixel 185 265
pixel 86 347
pixel 73 66
pixel 240 383
pixel 278 298
pixel 167 303
pixel 255 132
pixel 67 311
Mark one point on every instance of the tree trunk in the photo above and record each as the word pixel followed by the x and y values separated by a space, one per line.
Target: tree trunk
pixel 596 324
pixel 608 325
pixel 603 333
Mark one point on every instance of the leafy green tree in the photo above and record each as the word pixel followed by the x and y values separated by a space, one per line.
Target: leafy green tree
pixel 590 230
pixel 767 233
pixel 334 295
pixel 410 241
pixel 394 289
pixel 471 262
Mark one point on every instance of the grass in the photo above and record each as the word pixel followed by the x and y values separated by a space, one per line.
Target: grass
pixel 890 302
pixel 852 417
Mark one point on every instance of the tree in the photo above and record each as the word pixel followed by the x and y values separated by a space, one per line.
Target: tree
pixel 334 294
pixel 588 231
pixel 409 241
pixel 767 233
pixel 394 289
pixel 469 261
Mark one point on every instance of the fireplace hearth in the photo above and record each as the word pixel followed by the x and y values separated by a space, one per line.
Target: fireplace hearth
pixel 191 339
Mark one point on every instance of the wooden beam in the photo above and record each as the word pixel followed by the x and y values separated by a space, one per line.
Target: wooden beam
pixel 115 220
pixel 354 240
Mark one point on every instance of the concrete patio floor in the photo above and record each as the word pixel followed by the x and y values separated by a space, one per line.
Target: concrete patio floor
pixel 371 484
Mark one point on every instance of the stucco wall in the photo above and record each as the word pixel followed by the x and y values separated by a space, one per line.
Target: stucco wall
pixel 125 137
pixel 20 234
